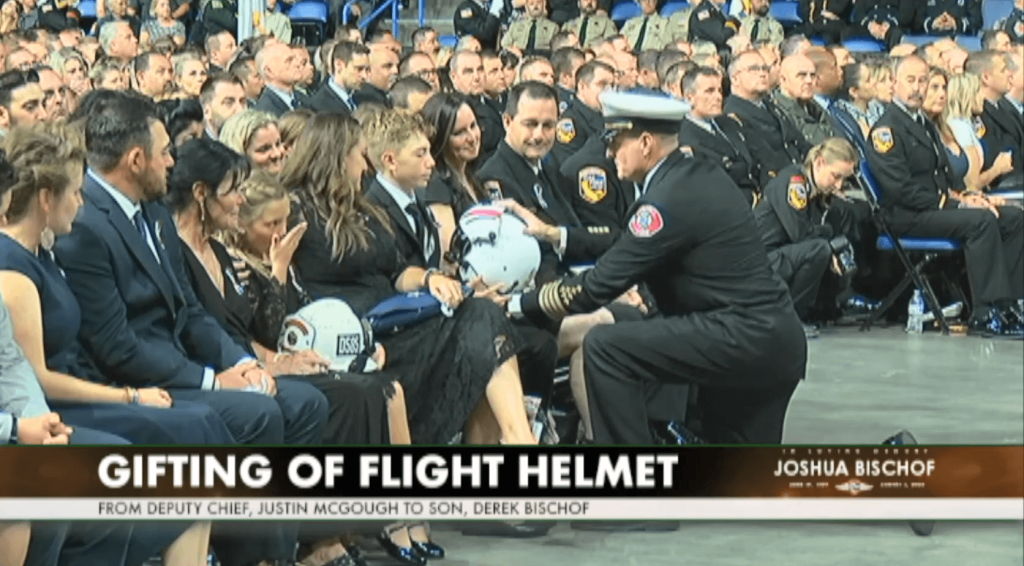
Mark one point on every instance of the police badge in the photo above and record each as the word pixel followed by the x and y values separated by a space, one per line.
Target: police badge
pixel 593 183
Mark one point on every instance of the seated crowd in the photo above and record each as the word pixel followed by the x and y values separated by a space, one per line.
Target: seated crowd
pixel 167 211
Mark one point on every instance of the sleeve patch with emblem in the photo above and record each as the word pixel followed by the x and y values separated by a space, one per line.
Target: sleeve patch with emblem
pixel 882 140
pixel 466 13
pixel 703 15
pixel 566 131
pixel 979 127
pixel 686 150
pixel 646 222
pixel 593 184
pixel 797 193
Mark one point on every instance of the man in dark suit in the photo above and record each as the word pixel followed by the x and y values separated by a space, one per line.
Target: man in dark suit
pixel 912 170
pixel 774 141
pixel 276 64
pixel 349 68
pixel 467 75
pixel 1001 127
pixel 704 132
pixel 383 72
pixel 221 97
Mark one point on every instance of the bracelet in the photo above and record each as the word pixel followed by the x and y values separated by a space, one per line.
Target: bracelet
pixel 14 431
pixel 132 395
pixel 427 275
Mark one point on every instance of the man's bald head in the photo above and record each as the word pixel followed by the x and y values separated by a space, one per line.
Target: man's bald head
pixel 799 77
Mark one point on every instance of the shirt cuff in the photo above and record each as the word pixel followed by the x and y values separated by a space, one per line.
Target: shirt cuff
pixel 6 423
pixel 209 379
pixel 563 239
pixel 515 306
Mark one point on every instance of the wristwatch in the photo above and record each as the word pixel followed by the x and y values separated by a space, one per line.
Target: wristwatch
pixel 14 431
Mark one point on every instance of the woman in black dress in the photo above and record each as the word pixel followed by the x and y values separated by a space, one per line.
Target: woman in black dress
pixel 459 373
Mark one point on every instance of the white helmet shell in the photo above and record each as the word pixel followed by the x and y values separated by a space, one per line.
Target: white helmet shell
pixel 331 329
pixel 494 248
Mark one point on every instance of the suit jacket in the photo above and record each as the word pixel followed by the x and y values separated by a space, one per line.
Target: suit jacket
pixel 326 100
pixel 775 142
pixel 421 254
pixel 370 93
pixel 598 27
pixel 272 104
pixel 141 322
pixel 729 152
pixel 656 36
pixel 1003 132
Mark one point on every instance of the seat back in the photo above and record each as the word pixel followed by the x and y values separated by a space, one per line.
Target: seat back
pixel 969 42
pixel 994 10
pixel 624 11
pixel 308 11
pixel 864 45
pixel 674 6
pixel 787 12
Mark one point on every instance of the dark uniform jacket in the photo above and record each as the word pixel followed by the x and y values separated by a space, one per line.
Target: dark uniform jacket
pixel 708 23
pixel 1002 130
pixel 565 97
pixel 967 14
pixel 511 175
pixel 492 127
pixel 578 123
pixel 808 117
pixel 726 147
pixel 473 19
pixel 909 164
pixel 595 191
pixel 787 214
pixel 698 249
pixel 899 13
pixel 810 10
pixel 1013 25
pixel 775 142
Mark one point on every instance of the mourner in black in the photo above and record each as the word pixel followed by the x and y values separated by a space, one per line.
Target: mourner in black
pixel 918 194
pixel 884 20
pixel 728 324
pixel 596 193
pixel 828 19
pixel 350 63
pixel 949 17
pixel 706 133
pixel 709 22
pixel 773 140
pixel 467 74
pixel 801 244
pixel 473 17
pixel 581 120
pixel 1001 126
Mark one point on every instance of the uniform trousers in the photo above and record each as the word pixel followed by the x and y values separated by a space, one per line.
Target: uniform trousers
pixel 993 247
pixel 802 266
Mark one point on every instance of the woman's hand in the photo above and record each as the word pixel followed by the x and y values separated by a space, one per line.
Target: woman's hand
pixel 303 362
pixel 155 397
pixel 445 289
pixel 1003 163
pixel 282 249
pixel 493 294
pixel 380 356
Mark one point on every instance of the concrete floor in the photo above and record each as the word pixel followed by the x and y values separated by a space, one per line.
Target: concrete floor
pixel 860 388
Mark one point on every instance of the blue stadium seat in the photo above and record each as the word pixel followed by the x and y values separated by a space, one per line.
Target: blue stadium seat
pixel 624 11
pixel 918 39
pixel 995 10
pixel 969 42
pixel 787 12
pixel 864 45
pixel 673 6
pixel 919 244
pixel 448 41
pixel 87 8
pixel 308 11
pixel 817 40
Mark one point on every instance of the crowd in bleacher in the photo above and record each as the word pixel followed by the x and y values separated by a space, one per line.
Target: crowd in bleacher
pixel 184 201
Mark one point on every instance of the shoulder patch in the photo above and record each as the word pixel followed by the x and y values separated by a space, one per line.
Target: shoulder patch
pixel 646 222
pixel 686 150
pixel 882 140
pixel 1018 28
pixel 593 183
pixel 797 192
pixel 493 188
pixel 466 13
pixel 703 15
pixel 979 127
pixel 562 106
pixel 566 131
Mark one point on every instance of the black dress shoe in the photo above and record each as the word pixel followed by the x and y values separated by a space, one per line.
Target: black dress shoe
pixel 505 530
pixel 626 526
pixel 428 550
pixel 357 554
pixel 402 554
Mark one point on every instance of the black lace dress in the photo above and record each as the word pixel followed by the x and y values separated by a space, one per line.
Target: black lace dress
pixel 444 364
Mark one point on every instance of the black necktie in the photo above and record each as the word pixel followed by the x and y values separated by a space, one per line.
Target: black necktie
pixel 583 30
pixel 531 41
pixel 140 224
pixel 417 222
pixel 755 29
pixel 640 37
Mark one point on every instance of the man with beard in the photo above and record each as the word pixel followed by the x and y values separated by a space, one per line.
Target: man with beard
pixel 349 66
pixel 221 97
pixel 55 101
pixel 591 26
pixel 153 74
pixel 21 100
pixel 759 26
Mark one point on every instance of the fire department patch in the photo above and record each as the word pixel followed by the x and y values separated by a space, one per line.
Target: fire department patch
pixel 593 184
pixel 882 140
pixel 797 193
pixel 566 131
pixel 646 222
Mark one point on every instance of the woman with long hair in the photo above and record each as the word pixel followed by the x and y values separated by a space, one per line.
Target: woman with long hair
pixel 255 135
pixel 962 117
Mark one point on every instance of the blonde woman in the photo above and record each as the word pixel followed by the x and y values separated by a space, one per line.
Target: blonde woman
pixel 964 105
pixel 72 68
pixel 109 74
pixel 934 105
pixel 255 135
pixel 881 83
pixel 291 125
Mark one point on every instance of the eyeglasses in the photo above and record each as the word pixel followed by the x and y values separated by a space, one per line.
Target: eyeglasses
pixel 758 69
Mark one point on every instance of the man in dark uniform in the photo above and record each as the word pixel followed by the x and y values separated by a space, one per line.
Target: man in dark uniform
pixel 949 17
pixel 597 194
pixel 566 62
pixel 884 20
pixel 1000 127
pixel 479 19
pixel 728 322
pixel 467 75
pixel 774 141
pixel 1013 24
pixel 581 120
pixel 706 134
pixel 709 22
pixel 912 169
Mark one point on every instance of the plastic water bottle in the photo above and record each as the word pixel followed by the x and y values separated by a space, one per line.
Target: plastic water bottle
pixel 915 313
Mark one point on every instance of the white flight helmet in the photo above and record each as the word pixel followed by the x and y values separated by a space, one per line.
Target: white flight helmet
pixel 329 327
pixel 489 243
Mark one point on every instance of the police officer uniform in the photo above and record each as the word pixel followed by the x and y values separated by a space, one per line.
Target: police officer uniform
pixel 728 321
pixel 721 141
pixel 808 116
pixel 1013 24
pixel 596 193
pixel 1000 129
pixel 577 124
pixel 474 18
pixel 967 14
pixel 530 34
pixel 762 28
pixel 899 14
pixel 565 98
pixel 913 173
pixel 591 29
pixel 679 25
pixel 645 32
pixel 709 23
pixel 794 235
pixel 774 141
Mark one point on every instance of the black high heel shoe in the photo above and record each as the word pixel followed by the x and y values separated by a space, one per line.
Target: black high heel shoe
pixel 428 549
pixel 403 554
